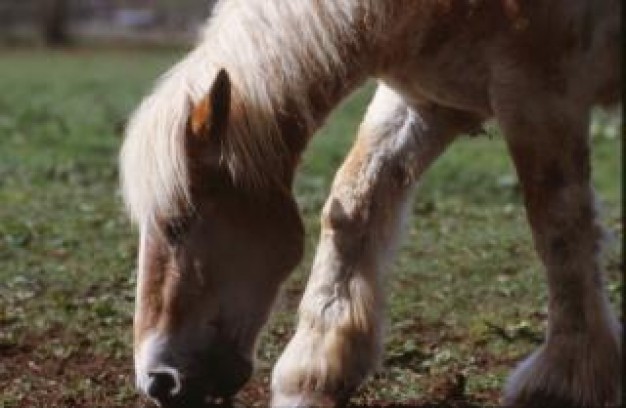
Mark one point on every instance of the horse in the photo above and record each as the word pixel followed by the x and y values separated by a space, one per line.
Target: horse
pixel 209 157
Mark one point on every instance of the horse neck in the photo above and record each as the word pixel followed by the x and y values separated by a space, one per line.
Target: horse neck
pixel 304 58
pixel 321 94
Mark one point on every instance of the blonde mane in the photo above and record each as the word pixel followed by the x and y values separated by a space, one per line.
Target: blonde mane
pixel 274 52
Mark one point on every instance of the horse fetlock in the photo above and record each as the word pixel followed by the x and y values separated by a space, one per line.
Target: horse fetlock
pixel 322 366
pixel 574 370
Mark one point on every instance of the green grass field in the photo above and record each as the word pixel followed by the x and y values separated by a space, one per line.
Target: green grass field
pixel 466 299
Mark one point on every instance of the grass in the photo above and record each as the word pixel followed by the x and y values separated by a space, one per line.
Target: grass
pixel 466 293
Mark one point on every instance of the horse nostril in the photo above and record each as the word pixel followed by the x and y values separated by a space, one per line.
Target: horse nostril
pixel 163 384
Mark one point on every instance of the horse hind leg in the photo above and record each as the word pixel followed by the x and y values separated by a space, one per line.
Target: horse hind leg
pixel 579 364
pixel 338 337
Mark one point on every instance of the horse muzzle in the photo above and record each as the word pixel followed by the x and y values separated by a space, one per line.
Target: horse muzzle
pixel 170 388
pixel 195 381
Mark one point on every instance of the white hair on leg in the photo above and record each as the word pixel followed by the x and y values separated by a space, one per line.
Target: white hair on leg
pixel 338 339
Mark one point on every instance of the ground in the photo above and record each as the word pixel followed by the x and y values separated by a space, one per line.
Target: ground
pixel 467 298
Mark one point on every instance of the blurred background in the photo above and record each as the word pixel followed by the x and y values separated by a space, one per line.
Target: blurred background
pixel 63 22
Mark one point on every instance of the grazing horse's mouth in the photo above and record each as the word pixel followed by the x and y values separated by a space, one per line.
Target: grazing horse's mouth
pixel 175 375
pixel 171 388
pixel 167 393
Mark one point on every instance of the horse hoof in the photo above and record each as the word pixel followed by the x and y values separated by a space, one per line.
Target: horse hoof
pixel 572 372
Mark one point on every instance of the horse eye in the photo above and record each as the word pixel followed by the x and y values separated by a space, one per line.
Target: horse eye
pixel 175 229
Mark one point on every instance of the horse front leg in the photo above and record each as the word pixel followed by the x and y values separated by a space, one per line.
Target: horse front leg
pixel 579 364
pixel 338 337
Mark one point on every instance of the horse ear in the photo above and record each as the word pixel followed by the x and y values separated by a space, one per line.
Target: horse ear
pixel 210 116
